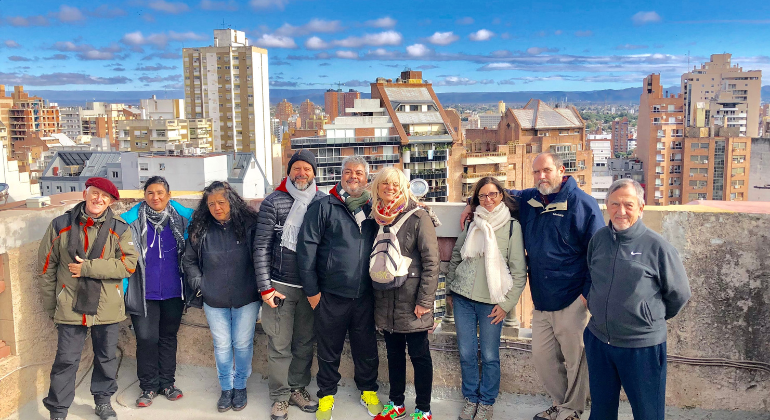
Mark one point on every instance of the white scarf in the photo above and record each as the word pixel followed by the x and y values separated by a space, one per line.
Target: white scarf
pixel 297 213
pixel 481 241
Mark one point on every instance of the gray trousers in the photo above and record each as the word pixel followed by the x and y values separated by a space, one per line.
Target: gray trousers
pixel 65 367
pixel 559 356
pixel 290 340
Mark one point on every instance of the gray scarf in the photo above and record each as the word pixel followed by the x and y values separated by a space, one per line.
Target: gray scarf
pixel 158 220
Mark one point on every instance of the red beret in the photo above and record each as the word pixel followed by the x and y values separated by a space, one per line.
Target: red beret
pixel 105 185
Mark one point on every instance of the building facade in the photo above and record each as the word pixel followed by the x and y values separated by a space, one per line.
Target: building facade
pixel 160 135
pixel 759 174
pixel 228 83
pixel 336 102
pixel 31 114
pixel 620 135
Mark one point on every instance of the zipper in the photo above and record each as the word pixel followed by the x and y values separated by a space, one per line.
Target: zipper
pixel 609 291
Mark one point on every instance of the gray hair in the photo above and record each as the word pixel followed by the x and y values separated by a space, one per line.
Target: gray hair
pixel 626 182
pixel 356 160
pixel 557 160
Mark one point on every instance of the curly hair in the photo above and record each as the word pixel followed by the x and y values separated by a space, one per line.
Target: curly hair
pixel 241 214
pixel 512 205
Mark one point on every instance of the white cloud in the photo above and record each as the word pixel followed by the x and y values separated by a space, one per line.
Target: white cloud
pixel 383 22
pixel 316 43
pixel 174 8
pixel 631 47
pixel 69 14
pixel 268 4
pixel 106 12
pixel 96 55
pixel 540 50
pixel 11 43
pixel 643 18
pixel 159 40
pixel 229 5
pixel 417 50
pixel 61 79
pixel 584 33
pixel 374 40
pixel 443 38
pixel 275 41
pixel 186 36
pixel 465 21
pixel 481 35
pixel 455 81
pixel 36 20
pixel 314 26
pixel 382 52
pixel 352 55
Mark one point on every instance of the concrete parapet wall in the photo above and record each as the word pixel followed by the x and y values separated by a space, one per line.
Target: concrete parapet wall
pixel 727 257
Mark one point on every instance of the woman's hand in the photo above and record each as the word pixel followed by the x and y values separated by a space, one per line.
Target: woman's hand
pixel 419 311
pixel 464 216
pixel 497 315
pixel 268 298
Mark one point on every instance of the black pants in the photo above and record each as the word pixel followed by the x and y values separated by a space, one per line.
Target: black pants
pixel 71 339
pixel 419 354
pixel 156 343
pixel 334 317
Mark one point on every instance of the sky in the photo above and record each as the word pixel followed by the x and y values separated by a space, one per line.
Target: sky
pixel 461 46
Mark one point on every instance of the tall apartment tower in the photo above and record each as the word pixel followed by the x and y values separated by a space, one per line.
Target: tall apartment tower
pixel 722 94
pixel 284 110
pixel 31 114
pixel 306 112
pixel 228 83
pixel 337 102
pixel 620 135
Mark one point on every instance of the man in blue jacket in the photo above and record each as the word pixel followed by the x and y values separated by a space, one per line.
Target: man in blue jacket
pixel 638 283
pixel 558 220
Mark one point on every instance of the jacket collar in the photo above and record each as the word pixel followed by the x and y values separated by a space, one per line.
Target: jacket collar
pixel 560 201
pixel 628 235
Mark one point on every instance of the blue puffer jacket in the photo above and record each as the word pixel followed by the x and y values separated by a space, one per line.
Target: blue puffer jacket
pixel 556 238
pixel 133 287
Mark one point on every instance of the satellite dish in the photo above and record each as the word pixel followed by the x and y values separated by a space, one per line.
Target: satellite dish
pixel 419 187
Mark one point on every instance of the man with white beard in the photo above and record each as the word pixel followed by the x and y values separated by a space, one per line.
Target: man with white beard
pixel 558 220
pixel 287 317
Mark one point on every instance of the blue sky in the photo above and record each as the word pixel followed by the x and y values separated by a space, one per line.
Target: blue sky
pixel 461 46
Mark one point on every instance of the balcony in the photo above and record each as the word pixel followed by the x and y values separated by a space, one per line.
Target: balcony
pixel 472 178
pixel 488 158
pixel 436 192
pixel 428 174
pixel 426 156
pixel 322 141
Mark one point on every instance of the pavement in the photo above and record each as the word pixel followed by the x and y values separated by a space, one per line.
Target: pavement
pixel 201 390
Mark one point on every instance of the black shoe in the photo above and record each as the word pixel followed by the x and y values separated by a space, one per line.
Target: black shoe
pixel 239 399
pixel 172 393
pixel 145 399
pixel 225 401
pixel 105 412
pixel 58 418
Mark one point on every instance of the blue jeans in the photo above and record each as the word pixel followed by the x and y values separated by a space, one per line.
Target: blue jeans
pixel 233 332
pixel 470 315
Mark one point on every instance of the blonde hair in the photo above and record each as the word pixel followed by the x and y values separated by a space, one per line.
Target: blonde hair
pixel 391 175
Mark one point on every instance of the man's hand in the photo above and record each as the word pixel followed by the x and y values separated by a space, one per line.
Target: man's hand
pixel 585 302
pixel 75 268
pixel 419 311
pixel 314 300
pixel 464 216
pixel 268 298
pixel 497 315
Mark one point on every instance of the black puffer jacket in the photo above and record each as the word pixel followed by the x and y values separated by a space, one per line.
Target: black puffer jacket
pixel 271 260
pixel 221 266
pixel 394 308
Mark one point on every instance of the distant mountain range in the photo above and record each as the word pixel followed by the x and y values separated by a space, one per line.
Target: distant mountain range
pixel 297 96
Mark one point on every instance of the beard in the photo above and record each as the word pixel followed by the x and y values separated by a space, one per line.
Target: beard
pixel 302 183
pixel 547 188
pixel 354 190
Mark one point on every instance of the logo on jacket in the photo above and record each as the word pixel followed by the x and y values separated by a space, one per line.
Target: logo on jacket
pixel 636 253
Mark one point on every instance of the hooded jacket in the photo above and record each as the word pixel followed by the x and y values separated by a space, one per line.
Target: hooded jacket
pixel 58 287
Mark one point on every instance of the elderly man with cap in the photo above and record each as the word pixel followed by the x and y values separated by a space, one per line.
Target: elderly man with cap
pixel 82 260
pixel 287 317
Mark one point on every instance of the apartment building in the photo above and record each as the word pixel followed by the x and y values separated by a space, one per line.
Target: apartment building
pixel 430 146
pixel 601 149
pixel 489 120
pixel 336 102
pixel 228 83
pixel 167 109
pixel 284 110
pixel 759 173
pixel 722 94
pixel 160 135
pixel 70 121
pixel 31 114
pixel 620 134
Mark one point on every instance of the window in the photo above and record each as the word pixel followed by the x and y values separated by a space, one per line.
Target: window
pixel 144 167
pixel 414 107
pixel 58 188
pixel 161 166
pixel 72 189
pixel 115 174
pixel 739 146
pixel 738 171
pixel 739 158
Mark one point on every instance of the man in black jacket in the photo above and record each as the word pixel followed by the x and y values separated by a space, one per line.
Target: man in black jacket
pixel 286 316
pixel 638 282
pixel 333 255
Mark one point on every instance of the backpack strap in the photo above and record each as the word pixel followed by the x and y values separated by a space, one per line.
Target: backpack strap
pixel 396 226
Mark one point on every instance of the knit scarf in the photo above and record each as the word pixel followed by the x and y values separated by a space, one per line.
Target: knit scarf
pixel 158 220
pixel 386 214
pixel 297 212
pixel 481 241
pixel 354 204
pixel 89 289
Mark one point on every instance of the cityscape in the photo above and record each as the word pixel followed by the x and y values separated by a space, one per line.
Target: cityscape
pixel 670 96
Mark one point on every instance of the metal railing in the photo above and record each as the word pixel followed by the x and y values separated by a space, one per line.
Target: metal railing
pixel 483 174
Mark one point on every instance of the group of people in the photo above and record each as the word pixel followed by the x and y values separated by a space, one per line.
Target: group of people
pixel 365 258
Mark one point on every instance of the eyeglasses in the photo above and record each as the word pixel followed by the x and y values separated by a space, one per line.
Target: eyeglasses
pixel 491 196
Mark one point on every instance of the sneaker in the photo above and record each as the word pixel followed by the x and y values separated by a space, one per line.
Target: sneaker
pixel 239 399
pixel 391 412
pixel 469 410
pixel 573 416
pixel 225 401
pixel 280 410
pixel 105 412
pixel 484 412
pixel 372 403
pixel 145 399
pixel 302 399
pixel 325 406
pixel 422 415
pixel 549 414
pixel 172 393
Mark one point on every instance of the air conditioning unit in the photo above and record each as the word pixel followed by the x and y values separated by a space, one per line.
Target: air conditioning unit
pixel 38 202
